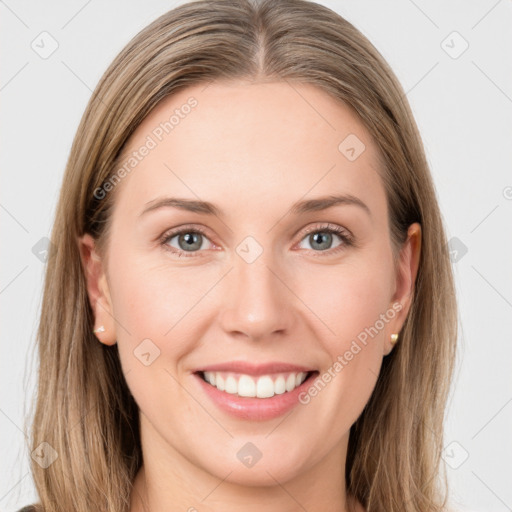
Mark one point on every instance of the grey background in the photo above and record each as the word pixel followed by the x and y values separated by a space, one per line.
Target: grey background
pixel 463 107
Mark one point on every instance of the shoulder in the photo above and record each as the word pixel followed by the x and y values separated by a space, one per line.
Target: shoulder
pixel 28 508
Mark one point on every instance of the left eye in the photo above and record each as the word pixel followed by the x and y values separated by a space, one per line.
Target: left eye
pixel 322 239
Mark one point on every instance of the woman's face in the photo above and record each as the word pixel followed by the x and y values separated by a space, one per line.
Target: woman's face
pixel 256 289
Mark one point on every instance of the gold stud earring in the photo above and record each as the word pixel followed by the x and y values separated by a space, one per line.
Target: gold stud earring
pixel 101 328
pixel 394 338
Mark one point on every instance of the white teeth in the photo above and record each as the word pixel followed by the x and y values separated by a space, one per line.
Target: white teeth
pixel 264 386
pixel 219 382
pixel 231 385
pixel 246 386
pixel 290 382
pixel 279 385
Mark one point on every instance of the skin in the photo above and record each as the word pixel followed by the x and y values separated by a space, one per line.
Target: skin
pixel 252 149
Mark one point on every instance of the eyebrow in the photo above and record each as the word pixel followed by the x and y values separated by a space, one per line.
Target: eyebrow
pixel 207 208
pixel 322 203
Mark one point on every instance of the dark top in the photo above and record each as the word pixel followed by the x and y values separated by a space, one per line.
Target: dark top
pixel 28 508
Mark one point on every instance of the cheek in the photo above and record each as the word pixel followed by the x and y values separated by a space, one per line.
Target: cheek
pixel 157 324
pixel 347 297
pixel 352 300
pixel 152 301
pixel 150 296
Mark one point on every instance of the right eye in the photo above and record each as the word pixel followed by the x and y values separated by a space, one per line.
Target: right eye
pixel 185 241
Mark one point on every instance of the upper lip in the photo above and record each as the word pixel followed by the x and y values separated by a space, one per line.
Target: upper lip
pixel 254 369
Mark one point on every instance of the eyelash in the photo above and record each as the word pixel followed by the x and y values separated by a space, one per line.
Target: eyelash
pixel 345 236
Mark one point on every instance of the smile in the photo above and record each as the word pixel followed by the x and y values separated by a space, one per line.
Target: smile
pixel 264 386
pixel 254 392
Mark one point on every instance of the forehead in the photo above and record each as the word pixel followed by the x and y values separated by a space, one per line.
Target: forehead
pixel 243 145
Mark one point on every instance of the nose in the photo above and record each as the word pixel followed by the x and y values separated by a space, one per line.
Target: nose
pixel 258 304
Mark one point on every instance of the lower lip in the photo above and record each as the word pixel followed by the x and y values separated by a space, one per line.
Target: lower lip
pixel 254 409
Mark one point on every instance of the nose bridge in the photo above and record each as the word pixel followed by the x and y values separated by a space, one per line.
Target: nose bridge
pixel 256 301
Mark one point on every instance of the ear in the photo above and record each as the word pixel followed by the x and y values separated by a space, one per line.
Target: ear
pixel 98 291
pixel 407 271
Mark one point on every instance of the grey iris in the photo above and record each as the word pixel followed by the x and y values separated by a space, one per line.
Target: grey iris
pixel 192 241
pixel 323 238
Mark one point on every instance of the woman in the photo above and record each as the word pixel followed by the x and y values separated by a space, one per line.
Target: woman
pixel 250 302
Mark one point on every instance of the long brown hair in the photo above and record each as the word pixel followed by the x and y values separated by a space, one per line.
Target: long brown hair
pixel 84 409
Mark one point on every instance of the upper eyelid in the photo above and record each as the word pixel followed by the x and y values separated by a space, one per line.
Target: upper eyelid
pixel 328 226
pixel 171 233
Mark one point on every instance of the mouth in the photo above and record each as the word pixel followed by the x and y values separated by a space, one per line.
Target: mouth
pixel 251 386
pixel 254 395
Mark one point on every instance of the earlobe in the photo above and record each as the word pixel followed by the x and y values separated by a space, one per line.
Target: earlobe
pixel 97 291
